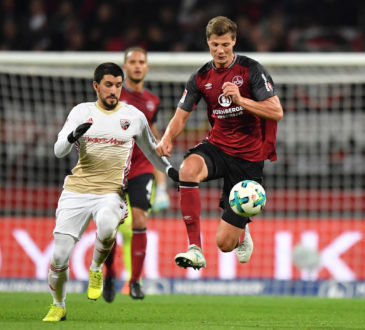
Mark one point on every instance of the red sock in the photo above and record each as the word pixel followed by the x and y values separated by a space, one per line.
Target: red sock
pixel 139 244
pixel 190 205
pixel 109 262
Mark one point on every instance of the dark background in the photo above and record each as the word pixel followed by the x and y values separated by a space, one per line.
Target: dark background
pixel 157 25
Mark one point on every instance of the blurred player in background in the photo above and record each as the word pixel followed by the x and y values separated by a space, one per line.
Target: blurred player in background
pixel 104 133
pixel 140 183
pixel 243 111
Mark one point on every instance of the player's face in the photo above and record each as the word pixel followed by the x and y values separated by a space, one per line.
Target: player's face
pixel 221 49
pixel 136 66
pixel 108 91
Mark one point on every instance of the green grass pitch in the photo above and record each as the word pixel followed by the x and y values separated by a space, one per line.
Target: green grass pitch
pixel 26 310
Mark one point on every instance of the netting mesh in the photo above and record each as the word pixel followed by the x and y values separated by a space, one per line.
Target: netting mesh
pixel 315 191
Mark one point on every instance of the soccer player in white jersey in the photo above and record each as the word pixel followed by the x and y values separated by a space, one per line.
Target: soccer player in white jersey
pixel 104 133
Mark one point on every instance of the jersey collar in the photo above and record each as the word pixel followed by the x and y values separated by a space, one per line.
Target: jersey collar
pixel 228 67
pixel 108 112
pixel 132 91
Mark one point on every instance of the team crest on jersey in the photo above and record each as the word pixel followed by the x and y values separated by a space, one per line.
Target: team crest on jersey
pixel 150 106
pixel 224 101
pixel 124 124
pixel 237 80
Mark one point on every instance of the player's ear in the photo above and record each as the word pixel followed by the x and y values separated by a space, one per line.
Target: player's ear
pixel 95 85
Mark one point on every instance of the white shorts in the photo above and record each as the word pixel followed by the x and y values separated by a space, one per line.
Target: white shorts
pixel 75 210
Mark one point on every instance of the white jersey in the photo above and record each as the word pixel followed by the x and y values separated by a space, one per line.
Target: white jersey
pixel 105 149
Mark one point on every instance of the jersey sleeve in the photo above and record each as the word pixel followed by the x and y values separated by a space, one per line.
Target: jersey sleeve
pixel 62 147
pixel 191 95
pixel 262 85
pixel 147 143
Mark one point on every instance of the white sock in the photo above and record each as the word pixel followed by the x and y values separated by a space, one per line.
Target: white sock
pixel 101 252
pixel 57 284
pixel 94 266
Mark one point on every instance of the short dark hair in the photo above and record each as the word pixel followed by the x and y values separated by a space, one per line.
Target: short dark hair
pixel 221 25
pixel 107 68
pixel 134 49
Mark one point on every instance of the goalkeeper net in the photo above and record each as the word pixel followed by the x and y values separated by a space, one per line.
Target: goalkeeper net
pixel 313 224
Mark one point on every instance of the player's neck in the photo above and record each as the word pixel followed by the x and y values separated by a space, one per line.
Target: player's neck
pixel 226 64
pixel 102 107
pixel 135 87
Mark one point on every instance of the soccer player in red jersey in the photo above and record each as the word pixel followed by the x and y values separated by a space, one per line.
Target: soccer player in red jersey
pixel 140 180
pixel 243 110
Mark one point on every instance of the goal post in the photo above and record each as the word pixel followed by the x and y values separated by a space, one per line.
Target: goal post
pixel 313 227
pixel 177 66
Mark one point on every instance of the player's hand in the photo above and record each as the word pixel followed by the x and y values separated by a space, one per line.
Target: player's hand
pixel 78 132
pixel 164 148
pixel 230 89
pixel 173 174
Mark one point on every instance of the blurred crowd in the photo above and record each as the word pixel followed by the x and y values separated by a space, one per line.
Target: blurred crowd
pixel 179 25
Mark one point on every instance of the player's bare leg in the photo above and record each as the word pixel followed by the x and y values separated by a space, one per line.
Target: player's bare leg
pixel 229 237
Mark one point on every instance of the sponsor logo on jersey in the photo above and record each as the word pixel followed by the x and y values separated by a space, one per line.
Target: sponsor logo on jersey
pixel 208 86
pixel 103 140
pixel 224 101
pixel 268 85
pixel 183 96
pixel 237 80
pixel 150 106
pixel 124 124
pixel 228 113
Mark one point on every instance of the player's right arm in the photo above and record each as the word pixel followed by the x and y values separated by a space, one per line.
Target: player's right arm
pixel 174 128
pixel 188 101
pixel 71 131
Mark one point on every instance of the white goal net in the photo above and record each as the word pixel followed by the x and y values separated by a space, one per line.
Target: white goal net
pixel 313 227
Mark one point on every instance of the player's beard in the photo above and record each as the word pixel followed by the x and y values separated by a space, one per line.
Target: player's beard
pixel 108 106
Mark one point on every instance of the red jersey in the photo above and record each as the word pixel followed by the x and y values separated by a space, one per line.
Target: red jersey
pixel 233 129
pixel 148 103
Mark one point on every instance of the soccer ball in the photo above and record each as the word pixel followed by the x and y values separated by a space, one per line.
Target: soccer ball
pixel 247 198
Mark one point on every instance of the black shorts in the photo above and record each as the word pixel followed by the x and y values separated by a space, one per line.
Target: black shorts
pixel 140 190
pixel 232 170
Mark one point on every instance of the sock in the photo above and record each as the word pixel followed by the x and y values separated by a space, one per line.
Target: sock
pixel 109 262
pixel 139 244
pixel 57 278
pixel 101 252
pixel 244 231
pixel 190 205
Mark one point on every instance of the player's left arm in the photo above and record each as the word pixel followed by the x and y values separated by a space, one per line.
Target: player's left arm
pixel 264 101
pixel 160 177
pixel 146 141
pixel 267 109
pixel 155 132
